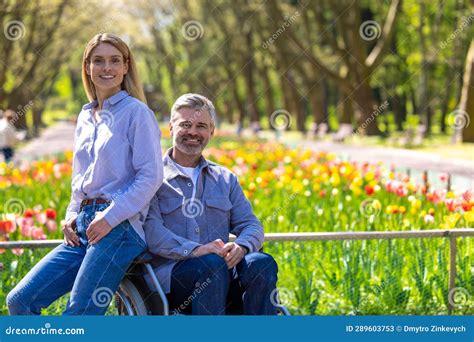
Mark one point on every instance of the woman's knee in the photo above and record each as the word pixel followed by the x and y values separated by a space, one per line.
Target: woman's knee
pixel 17 304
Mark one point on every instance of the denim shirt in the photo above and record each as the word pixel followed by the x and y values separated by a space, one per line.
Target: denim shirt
pixel 117 158
pixel 174 226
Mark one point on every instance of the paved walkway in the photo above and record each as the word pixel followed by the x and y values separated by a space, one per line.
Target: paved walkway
pixel 59 137
pixel 53 140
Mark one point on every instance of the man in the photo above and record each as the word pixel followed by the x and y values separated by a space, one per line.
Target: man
pixel 189 222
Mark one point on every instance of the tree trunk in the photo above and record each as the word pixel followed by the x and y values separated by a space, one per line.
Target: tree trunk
pixel 365 105
pixel 37 112
pixel 268 93
pixel 249 81
pixel 346 110
pixel 16 103
pixel 467 98
pixel 424 101
pixel 399 107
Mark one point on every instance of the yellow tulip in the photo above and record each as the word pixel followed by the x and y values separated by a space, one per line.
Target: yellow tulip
pixel 469 216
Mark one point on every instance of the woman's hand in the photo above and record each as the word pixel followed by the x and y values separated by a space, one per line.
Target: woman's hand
pixel 97 229
pixel 70 237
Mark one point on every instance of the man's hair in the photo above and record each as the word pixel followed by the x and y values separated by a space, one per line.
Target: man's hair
pixel 196 102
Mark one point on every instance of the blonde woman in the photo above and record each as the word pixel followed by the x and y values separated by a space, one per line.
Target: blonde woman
pixel 117 169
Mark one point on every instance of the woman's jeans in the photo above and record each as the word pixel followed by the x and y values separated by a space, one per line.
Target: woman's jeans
pixel 92 273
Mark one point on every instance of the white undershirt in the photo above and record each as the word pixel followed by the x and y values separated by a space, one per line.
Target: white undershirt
pixel 191 172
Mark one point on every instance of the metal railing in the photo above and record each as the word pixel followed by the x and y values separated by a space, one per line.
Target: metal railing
pixel 452 234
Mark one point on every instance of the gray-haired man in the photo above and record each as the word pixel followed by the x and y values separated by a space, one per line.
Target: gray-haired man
pixel 190 219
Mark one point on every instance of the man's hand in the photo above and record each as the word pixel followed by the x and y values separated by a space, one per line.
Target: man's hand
pixel 233 253
pixel 215 247
pixel 98 228
pixel 70 237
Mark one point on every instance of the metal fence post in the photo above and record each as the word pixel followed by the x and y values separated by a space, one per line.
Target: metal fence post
pixel 452 268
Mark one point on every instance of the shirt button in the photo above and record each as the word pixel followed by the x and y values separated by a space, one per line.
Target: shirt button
pixel 189 184
pixel 196 230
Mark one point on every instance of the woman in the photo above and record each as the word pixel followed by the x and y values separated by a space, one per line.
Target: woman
pixel 117 168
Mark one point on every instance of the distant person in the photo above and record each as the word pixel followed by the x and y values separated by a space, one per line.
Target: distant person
pixel 8 135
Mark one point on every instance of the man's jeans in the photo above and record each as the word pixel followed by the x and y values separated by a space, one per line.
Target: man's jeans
pixel 205 286
pixel 91 272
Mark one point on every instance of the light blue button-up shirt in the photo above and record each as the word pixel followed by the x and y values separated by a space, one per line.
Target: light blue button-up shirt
pixel 175 226
pixel 118 158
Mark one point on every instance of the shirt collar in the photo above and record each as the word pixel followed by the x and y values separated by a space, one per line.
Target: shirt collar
pixel 114 99
pixel 170 169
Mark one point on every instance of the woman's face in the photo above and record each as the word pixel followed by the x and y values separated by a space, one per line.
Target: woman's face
pixel 107 68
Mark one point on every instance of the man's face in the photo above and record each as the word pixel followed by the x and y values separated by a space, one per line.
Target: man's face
pixel 191 130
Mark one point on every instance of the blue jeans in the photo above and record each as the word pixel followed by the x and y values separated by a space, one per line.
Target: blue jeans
pixel 205 286
pixel 92 273
pixel 7 153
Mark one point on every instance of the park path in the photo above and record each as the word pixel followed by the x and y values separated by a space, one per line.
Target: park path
pixel 53 140
pixel 59 137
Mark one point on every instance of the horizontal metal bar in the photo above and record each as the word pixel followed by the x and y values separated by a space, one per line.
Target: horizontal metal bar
pixel 410 234
pixel 30 244
pixel 270 237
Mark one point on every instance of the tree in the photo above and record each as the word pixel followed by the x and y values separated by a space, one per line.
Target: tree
pixel 466 104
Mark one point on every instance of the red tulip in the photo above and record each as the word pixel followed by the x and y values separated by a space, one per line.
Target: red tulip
pixel 451 204
pixel 51 213
pixel 369 190
pixel 28 213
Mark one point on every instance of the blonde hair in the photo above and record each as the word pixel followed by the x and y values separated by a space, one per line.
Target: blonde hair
pixel 131 82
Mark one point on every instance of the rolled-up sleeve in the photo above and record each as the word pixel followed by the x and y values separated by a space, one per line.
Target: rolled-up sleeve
pixel 243 223
pixel 161 240
pixel 144 136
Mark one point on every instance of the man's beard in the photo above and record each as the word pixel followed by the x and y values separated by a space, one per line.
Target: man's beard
pixel 191 150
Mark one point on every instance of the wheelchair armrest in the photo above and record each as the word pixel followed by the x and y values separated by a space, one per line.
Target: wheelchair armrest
pixel 144 258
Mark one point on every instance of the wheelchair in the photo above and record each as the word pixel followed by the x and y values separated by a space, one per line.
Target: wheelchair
pixel 134 296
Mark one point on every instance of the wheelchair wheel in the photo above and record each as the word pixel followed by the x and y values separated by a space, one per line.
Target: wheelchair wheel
pixel 128 300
